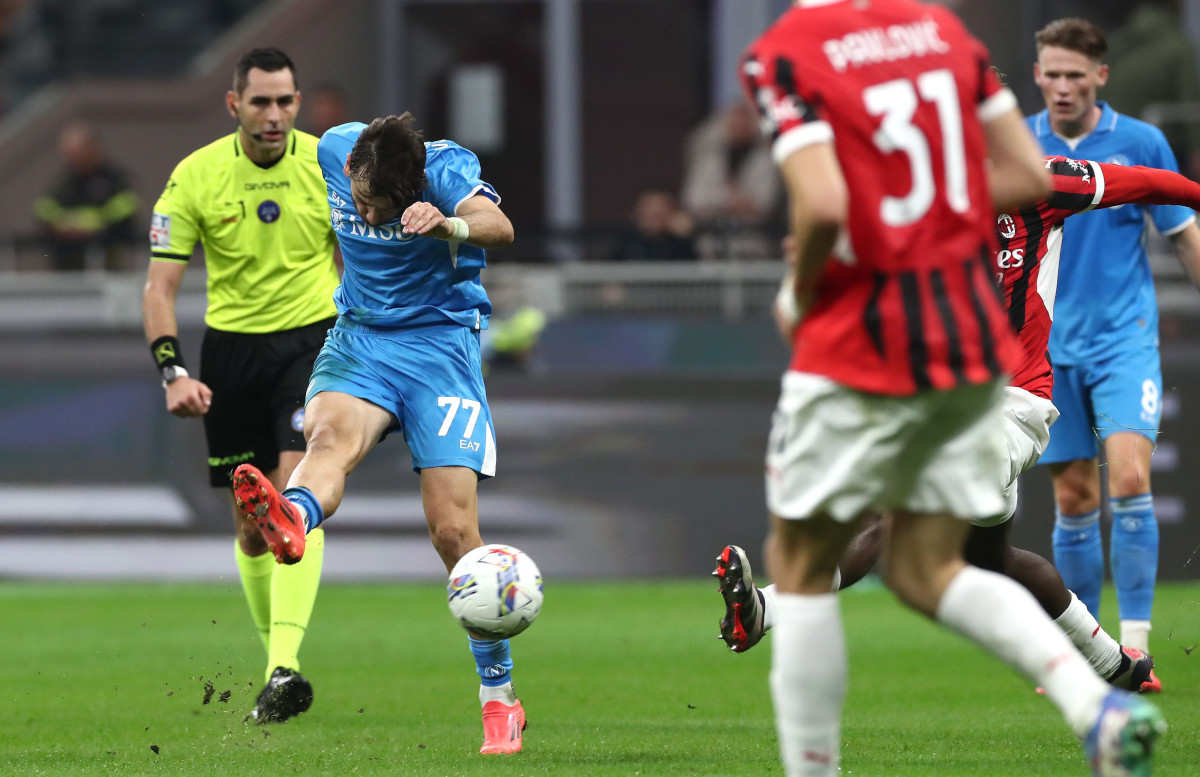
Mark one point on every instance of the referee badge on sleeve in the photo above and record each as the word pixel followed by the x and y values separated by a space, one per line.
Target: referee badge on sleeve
pixel 160 231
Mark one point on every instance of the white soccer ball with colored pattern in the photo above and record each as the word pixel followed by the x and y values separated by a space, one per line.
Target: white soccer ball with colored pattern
pixel 495 592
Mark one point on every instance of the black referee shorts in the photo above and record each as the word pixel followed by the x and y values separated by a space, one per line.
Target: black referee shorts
pixel 258 383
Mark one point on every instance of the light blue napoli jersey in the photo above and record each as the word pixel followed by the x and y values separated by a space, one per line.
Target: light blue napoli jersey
pixel 1105 299
pixel 394 280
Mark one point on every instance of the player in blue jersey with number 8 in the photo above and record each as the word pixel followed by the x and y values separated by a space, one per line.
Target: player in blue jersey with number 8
pixel 413 220
pixel 1104 343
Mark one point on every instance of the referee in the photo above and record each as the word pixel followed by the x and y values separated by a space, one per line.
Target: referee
pixel 256 201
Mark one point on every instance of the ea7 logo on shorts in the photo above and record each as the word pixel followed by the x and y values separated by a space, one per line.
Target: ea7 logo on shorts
pixel 468 445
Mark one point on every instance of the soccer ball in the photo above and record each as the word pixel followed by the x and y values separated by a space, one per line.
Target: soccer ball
pixel 495 592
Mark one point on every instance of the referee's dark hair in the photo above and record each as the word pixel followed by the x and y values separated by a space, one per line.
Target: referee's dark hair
pixel 389 158
pixel 270 60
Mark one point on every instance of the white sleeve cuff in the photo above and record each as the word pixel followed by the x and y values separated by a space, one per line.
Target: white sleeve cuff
pixel 996 106
pixel 799 137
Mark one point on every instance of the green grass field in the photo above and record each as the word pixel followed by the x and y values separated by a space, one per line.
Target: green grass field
pixel 624 679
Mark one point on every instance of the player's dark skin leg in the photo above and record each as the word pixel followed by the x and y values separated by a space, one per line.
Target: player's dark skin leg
pixel 987 548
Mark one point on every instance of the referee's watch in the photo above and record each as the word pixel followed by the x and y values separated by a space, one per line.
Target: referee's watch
pixel 172 373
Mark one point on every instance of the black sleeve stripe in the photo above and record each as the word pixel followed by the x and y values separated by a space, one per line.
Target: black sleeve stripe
pixel 170 255
pixel 1072 201
pixel 785 77
pixel 1067 167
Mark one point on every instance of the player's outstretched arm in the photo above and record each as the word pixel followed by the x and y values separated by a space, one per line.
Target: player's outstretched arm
pixel 1152 186
pixel 1018 176
pixel 478 222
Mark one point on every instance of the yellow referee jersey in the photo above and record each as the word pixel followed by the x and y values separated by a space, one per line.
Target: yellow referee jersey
pixel 268 244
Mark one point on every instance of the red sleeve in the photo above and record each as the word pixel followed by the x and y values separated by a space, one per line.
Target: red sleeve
pixel 1146 186
pixel 769 79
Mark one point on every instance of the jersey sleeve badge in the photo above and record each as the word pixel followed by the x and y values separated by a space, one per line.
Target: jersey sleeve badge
pixel 160 231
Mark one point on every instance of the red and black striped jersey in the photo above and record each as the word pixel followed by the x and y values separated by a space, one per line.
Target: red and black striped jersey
pixel 902 91
pixel 1030 246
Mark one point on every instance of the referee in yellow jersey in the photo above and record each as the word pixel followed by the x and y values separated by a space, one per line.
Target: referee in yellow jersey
pixel 256 201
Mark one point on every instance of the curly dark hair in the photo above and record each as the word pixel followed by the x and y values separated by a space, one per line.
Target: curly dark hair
pixel 389 158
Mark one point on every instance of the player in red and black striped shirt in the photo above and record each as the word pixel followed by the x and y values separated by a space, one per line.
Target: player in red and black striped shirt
pixel 884 117
pixel 1031 245
pixel 1026 266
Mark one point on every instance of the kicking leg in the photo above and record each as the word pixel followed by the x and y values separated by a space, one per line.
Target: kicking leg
pixel 451 506
pixel 750 611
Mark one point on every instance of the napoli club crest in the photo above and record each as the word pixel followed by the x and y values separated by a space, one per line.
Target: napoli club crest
pixel 268 211
pixel 298 420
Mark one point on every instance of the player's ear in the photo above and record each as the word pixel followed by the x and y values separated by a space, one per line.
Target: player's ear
pixel 1037 72
pixel 346 167
pixel 231 103
pixel 1101 75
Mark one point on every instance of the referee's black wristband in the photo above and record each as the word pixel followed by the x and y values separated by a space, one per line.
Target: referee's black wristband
pixel 166 352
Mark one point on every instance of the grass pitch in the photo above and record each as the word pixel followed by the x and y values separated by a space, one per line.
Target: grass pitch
pixel 617 679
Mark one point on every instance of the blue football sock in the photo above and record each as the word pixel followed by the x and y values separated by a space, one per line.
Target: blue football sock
pixel 492 661
pixel 314 515
pixel 1134 555
pixel 1079 556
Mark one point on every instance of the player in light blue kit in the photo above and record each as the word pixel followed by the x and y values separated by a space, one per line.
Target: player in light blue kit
pixel 1104 343
pixel 413 220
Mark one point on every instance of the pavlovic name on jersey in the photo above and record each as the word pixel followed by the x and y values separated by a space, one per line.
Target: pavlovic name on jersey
pixel 884 44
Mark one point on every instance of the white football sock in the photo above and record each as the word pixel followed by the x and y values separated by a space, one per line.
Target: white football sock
pixel 1136 634
pixel 1100 649
pixel 768 600
pixel 808 682
pixel 504 693
pixel 769 606
pixel 999 615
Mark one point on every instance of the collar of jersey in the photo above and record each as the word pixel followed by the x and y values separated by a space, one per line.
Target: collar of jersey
pixel 1107 123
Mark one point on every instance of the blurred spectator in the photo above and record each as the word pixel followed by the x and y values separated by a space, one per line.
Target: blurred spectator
pixel 323 107
pixel 731 186
pixel 1152 60
pixel 659 230
pixel 88 217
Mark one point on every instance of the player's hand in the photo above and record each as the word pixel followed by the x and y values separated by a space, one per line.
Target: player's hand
pixel 188 397
pixel 422 218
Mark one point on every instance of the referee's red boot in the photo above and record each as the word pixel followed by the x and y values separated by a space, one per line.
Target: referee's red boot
pixel 277 518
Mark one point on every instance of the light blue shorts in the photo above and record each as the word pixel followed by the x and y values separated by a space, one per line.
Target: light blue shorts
pixel 429 378
pixel 1120 393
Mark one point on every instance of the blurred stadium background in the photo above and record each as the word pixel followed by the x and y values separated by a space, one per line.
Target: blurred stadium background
pixel 631 438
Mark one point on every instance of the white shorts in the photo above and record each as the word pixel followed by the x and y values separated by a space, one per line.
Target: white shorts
pixel 1027 421
pixel 840 452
